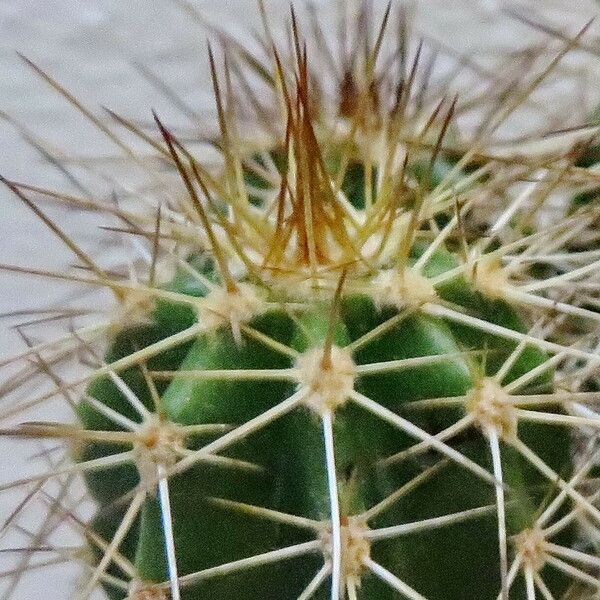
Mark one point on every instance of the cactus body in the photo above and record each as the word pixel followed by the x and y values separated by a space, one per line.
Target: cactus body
pixel 457 562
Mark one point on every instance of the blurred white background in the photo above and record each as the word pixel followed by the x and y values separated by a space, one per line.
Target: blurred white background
pixel 93 46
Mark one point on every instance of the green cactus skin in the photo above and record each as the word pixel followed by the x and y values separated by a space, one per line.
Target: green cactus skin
pixel 454 563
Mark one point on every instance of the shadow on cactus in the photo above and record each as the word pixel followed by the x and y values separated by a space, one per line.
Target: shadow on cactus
pixel 360 377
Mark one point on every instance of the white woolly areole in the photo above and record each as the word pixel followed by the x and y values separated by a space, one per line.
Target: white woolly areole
pixel 531 544
pixel 134 308
pixel 328 383
pixel 145 591
pixel 382 245
pixel 356 548
pixel 492 409
pixel 159 444
pixel 222 307
pixel 402 289
pixel 490 278
pixel 165 269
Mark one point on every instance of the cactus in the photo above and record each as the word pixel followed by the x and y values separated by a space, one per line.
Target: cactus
pixel 344 375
